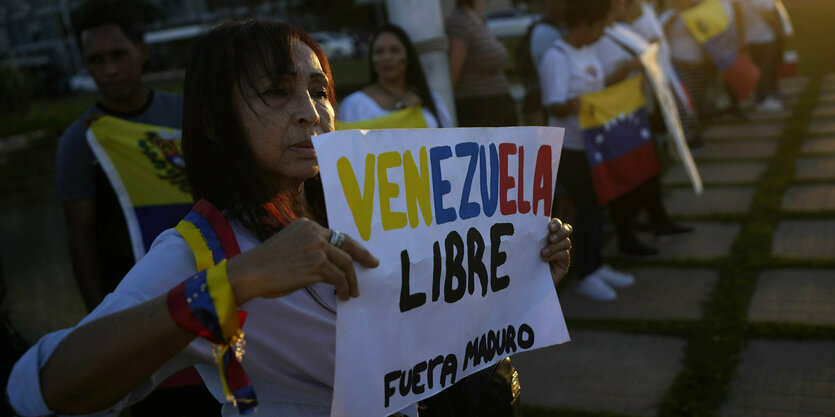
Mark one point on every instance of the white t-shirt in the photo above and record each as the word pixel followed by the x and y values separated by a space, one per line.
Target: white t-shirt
pixel 542 37
pixel 683 46
pixel 360 106
pixel 612 54
pixel 649 27
pixel 564 74
pixel 647 24
pixel 290 341
pixel 757 30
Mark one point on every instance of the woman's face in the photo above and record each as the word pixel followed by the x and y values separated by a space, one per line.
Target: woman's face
pixel 388 55
pixel 294 108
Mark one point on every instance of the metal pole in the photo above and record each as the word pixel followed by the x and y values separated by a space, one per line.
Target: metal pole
pixel 423 21
pixel 75 55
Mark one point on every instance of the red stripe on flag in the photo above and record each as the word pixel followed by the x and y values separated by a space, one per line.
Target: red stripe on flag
pixel 221 226
pixel 615 177
pixel 743 77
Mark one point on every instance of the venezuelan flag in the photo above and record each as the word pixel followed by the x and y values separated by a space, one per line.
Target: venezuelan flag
pixel 144 164
pixel 408 118
pixel 618 140
pixel 711 26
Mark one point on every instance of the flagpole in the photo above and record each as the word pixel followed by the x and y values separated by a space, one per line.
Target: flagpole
pixel 423 21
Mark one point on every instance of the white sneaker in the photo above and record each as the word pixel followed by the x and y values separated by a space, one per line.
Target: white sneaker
pixel 614 278
pixel 594 288
pixel 770 104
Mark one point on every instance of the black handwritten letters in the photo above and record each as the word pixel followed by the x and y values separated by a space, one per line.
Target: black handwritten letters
pixel 458 280
pixel 443 370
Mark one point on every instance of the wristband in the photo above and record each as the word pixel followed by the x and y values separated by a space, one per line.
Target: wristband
pixel 205 305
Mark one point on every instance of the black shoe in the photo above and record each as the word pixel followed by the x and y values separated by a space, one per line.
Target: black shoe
pixel 637 248
pixel 673 230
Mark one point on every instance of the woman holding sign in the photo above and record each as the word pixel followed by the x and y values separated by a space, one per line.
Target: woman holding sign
pixel 397 83
pixel 255 94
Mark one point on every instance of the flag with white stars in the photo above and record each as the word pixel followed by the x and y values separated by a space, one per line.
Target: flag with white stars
pixel 619 145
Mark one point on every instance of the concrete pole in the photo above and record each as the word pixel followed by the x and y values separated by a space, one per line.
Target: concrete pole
pixel 74 53
pixel 424 23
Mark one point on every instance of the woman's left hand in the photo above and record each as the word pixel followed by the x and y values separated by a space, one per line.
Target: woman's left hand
pixel 557 250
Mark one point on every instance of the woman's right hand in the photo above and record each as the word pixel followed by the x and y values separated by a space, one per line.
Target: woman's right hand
pixel 298 256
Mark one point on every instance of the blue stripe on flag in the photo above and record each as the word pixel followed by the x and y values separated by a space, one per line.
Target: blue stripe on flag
pixel 209 234
pixel 618 137
pixel 201 304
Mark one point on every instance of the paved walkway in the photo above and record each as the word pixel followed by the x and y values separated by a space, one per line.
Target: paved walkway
pixel 625 357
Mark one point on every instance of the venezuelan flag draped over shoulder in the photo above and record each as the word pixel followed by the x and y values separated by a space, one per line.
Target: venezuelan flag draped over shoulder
pixel 408 118
pixel 618 141
pixel 710 25
pixel 145 167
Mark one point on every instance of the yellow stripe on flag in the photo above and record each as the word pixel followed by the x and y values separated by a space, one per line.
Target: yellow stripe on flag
pixel 147 159
pixel 224 300
pixel 221 350
pixel 198 245
pixel 408 118
pixel 600 107
pixel 705 20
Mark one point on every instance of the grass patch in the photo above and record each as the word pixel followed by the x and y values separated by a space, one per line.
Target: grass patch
pixel 716 342
pixel 715 346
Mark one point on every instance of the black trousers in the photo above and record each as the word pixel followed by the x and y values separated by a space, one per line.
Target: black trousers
pixel 767 57
pixel 625 208
pixel 575 178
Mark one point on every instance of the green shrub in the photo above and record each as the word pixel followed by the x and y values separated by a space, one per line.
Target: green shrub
pixel 15 91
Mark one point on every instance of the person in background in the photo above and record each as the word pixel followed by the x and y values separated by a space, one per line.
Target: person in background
pixel 397 82
pixel 693 68
pixel 537 39
pixel 618 63
pixel 113 52
pixel 256 92
pixel 763 32
pixel 568 70
pixel 477 61
pixel 548 30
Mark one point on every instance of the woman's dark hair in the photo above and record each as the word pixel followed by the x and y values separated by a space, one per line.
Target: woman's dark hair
pixel 220 164
pixel 589 11
pixel 464 3
pixel 414 71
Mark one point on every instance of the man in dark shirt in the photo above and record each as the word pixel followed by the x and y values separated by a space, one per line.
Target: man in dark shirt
pixel 113 51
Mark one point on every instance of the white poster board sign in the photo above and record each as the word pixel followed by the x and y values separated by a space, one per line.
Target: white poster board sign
pixel 457 218
pixel 667 105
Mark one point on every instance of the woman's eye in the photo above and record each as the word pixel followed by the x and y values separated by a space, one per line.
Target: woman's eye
pixel 320 94
pixel 275 92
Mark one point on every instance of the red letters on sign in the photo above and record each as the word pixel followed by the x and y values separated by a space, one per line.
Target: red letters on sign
pixel 506 182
